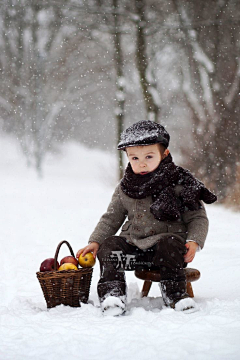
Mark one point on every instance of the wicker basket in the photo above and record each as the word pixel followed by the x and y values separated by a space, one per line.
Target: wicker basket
pixel 67 287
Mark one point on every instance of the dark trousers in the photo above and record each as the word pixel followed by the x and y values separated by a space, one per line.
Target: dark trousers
pixel 116 255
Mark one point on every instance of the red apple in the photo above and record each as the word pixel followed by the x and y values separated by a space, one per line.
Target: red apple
pixel 69 259
pixel 48 265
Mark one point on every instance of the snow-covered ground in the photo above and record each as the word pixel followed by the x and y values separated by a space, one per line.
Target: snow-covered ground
pixel 66 204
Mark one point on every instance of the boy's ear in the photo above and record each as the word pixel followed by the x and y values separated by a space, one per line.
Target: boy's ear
pixel 165 154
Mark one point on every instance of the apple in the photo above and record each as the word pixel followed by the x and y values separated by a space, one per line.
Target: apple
pixel 69 259
pixel 48 265
pixel 87 260
pixel 67 266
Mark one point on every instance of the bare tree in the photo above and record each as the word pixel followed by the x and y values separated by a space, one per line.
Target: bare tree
pixel 28 36
pixel 112 15
pixel 147 80
pixel 211 91
pixel 120 80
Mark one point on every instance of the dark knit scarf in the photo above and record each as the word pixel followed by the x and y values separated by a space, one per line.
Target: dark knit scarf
pixel 160 183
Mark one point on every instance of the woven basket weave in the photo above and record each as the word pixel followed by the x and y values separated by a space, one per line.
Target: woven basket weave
pixel 67 287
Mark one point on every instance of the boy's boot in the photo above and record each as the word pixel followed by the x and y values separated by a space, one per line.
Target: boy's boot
pixel 173 285
pixel 112 284
pixel 112 297
pixel 113 305
pixel 174 295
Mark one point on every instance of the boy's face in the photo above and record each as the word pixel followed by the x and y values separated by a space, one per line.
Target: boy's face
pixel 145 159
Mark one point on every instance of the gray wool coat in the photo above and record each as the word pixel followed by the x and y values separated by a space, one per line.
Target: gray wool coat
pixel 141 228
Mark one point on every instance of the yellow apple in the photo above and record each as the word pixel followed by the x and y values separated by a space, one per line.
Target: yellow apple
pixel 67 266
pixel 87 260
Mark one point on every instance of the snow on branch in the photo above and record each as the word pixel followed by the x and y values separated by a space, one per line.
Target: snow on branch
pixel 201 57
pixel 198 53
pixel 191 96
pixel 5 104
pixel 234 89
pixel 207 92
pixel 155 95
pixel 54 112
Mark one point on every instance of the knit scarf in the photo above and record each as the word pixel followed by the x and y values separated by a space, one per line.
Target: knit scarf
pixel 160 184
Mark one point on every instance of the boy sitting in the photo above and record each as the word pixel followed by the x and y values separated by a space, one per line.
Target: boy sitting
pixel 166 221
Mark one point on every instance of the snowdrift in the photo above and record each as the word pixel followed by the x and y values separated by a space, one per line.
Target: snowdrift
pixel 66 204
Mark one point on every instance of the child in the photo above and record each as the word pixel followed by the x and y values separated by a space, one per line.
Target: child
pixel 166 221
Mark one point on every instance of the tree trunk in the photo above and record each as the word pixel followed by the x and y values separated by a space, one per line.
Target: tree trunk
pixel 120 82
pixel 152 109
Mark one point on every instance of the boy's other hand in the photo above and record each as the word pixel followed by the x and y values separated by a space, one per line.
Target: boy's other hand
pixel 191 251
pixel 93 248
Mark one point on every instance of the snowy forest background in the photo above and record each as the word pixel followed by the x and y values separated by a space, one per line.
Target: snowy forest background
pixel 85 70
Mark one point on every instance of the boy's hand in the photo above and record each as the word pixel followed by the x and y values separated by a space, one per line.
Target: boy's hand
pixel 192 247
pixel 93 247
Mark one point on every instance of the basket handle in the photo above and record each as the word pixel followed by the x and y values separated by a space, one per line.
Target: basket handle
pixel 57 252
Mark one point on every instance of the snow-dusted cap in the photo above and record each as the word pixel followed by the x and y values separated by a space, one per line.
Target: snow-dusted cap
pixel 144 132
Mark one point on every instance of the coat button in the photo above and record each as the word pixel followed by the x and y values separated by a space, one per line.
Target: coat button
pixel 136 228
pixel 139 216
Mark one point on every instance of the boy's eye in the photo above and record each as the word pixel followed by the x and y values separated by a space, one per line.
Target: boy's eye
pixel 149 157
pixel 135 158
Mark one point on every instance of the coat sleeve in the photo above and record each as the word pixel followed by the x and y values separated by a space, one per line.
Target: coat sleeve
pixel 111 220
pixel 197 225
